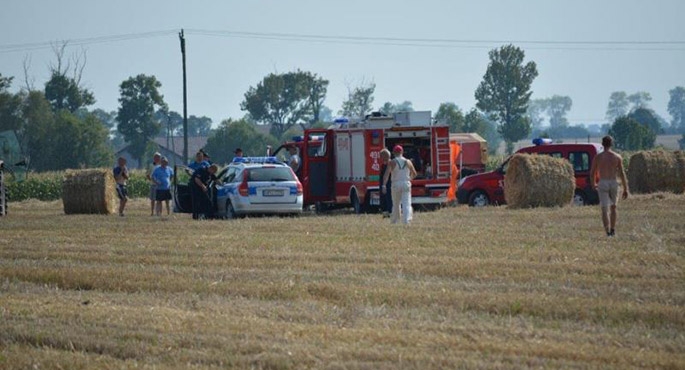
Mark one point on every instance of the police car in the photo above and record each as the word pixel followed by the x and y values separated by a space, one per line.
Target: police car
pixel 252 185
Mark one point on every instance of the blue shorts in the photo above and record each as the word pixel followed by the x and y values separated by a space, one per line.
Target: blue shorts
pixel 122 192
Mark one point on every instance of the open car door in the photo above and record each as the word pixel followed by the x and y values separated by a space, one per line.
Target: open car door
pixel 318 168
pixel 183 201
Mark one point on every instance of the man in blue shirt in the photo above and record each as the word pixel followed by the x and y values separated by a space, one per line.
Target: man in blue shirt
pixel 199 162
pixel 161 176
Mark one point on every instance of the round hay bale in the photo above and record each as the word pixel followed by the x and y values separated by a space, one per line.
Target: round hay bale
pixel 657 170
pixel 538 181
pixel 89 191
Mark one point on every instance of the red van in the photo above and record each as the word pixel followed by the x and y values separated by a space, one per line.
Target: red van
pixel 487 188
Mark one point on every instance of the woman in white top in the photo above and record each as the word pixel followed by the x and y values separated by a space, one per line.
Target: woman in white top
pixel 403 172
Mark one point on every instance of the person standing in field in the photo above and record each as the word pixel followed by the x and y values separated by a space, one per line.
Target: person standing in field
pixel 386 198
pixel 402 171
pixel 162 179
pixel 156 158
pixel 199 190
pixel 121 176
pixel 606 166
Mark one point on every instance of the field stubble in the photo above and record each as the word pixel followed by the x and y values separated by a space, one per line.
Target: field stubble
pixel 459 288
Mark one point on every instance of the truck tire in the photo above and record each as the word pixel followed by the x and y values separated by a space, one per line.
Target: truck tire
pixel 356 204
pixel 479 199
pixel 579 198
pixel 230 211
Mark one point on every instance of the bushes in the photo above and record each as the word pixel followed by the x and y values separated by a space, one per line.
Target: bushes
pixel 48 186
pixel 43 186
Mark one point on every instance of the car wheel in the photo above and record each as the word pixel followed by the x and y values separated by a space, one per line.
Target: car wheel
pixel 355 203
pixel 479 199
pixel 320 207
pixel 579 198
pixel 230 211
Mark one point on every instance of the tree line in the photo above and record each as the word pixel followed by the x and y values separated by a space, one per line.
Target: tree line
pixel 57 129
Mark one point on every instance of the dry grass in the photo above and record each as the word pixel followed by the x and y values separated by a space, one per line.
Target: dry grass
pixel 459 288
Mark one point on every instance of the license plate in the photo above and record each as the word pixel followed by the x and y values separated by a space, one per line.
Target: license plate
pixel 272 193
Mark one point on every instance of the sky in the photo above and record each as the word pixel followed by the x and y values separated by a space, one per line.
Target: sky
pixel 427 52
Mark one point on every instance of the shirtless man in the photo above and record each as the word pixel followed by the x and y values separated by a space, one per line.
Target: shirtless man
pixel 607 165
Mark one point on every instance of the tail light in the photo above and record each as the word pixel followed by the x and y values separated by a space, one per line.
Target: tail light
pixel 299 188
pixel 243 188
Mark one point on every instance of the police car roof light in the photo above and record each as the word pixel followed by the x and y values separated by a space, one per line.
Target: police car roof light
pixel 256 160
pixel 542 141
pixel 298 139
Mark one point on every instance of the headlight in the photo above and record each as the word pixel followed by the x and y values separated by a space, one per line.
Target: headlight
pixel 461 182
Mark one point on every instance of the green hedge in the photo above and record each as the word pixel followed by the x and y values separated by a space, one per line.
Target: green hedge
pixel 48 186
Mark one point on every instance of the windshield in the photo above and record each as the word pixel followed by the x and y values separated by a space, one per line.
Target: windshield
pixel 270 174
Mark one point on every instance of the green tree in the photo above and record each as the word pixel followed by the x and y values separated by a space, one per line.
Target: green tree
pixel 629 134
pixel 79 143
pixel 287 99
pixel 505 91
pixel 10 107
pixel 389 108
pixel 536 110
pixel 676 108
pixel 618 105
pixel 639 99
pixel 557 108
pixel 451 114
pixel 199 126
pixel 37 136
pixel 647 118
pixel 64 93
pixel 317 88
pixel 232 134
pixel 359 101
pixel 474 121
pixel 136 120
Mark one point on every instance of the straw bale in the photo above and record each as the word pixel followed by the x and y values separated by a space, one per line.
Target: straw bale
pixel 89 191
pixel 538 181
pixel 657 170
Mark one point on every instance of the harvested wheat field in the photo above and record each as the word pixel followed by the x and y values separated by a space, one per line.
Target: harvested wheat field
pixel 459 288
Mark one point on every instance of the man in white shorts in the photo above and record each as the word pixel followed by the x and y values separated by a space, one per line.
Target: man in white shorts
pixel 607 165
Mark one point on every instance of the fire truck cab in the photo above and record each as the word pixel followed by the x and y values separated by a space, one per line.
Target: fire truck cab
pixel 340 166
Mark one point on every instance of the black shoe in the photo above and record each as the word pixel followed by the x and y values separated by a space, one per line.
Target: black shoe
pixel 612 232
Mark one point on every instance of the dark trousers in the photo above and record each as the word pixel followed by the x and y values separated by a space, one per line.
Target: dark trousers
pixel 386 199
pixel 201 203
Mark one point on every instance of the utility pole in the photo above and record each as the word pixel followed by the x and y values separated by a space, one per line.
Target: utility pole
pixel 185 98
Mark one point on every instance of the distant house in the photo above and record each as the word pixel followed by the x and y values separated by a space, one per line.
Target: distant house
pixel 171 148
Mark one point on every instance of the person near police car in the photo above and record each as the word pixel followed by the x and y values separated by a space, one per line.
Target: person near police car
pixel 295 161
pixel 161 176
pixel 402 172
pixel 199 187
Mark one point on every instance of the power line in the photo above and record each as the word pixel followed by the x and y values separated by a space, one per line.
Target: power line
pixel 84 41
pixel 427 40
pixel 607 45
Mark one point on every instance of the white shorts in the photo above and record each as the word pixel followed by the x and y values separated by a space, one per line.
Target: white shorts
pixel 608 192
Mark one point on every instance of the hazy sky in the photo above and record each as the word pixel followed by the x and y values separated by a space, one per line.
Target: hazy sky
pixel 364 40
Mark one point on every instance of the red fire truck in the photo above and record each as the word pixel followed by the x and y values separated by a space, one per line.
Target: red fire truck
pixel 340 166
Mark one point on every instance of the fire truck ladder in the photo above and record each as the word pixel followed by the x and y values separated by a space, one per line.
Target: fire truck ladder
pixel 442 170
